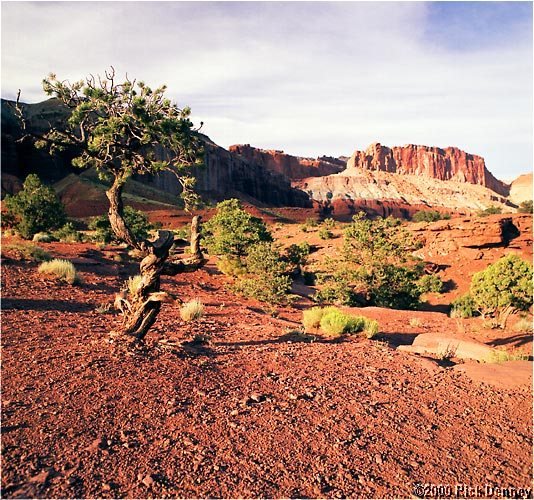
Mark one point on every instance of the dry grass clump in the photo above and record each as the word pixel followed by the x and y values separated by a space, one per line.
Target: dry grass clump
pixel 27 251
pixel 192 310
pixel 524 325
pixel 333 322
pixel 501 356
pixel 61 269
pixel 133 284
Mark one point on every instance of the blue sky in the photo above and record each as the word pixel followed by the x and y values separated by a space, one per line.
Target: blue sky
pixel 309 78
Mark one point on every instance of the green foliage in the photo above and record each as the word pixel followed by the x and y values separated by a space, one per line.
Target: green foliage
pixel 119 125
pixel 27 251
pixel 491 210
pixel 297 253
pixel 311 222
pixel 525 207
pixel 136 220
pixel 68 234
pixel 429 216
pixel 337 289
pixel 61 269
pixel 266 279
pixel 36 208
pixel 377 267
pixel 133 283
pixel 429 283
pixel 311 318
pixel 463 307
pixel 329 223
pixel 325 234
pixel 43 238
pixel 502 288
pixel 231 266
pixel 232 230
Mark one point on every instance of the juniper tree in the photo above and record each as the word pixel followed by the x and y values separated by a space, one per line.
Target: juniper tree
pixel 123 129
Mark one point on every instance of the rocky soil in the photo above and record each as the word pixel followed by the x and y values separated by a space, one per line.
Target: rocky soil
pixel 258 411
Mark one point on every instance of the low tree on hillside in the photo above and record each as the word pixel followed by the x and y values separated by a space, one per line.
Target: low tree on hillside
pixel 35 208
pixel 118 127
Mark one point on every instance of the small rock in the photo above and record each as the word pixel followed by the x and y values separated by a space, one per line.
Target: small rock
pixel 148 480
pixel 378 459
pixel 233 413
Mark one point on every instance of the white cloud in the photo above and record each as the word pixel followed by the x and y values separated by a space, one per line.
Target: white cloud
pixel 309 78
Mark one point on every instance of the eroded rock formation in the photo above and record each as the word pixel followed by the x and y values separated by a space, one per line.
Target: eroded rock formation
pixel 292 167
pixel 436 163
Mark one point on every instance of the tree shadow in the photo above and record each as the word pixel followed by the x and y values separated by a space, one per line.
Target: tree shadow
pixel 292 337
pixel 515 340
pixel 46 305
pixel 440 308
pixel 396 339
pixel 449 286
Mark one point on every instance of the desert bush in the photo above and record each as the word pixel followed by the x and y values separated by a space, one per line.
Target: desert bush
pixel 311 318
pixel 491 210
pixel 192 310
pixel 371 328
pixel 311 222
pixel 231 266
pixel 297 253
pixel 304 228
pixel 463 307
pixel 68 234
pixel 329 223
pixel 136 220
pixel 43 238
pixel 503 288
pixel 61 269
pixel 429 283
pixel 429 216
pixel 523 325
pixel 266 279
pixel 27 251
pixel 501 356
pixel 35 208
pixel 232 230
pixel 325 234
pixel 525 207
pixel 334 323
pixel 377 267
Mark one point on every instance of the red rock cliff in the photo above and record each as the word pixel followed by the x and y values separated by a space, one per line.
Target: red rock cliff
pixel 437 163
pixel 292 167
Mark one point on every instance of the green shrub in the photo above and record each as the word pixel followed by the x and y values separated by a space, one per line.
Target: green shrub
pixel 231 266
pixel 311 222
pixel 266 279
pixel 297 253
pixel 429 283
pixel 43 238
pixel 61 269
pixel 311 318
pixel 329 223
pixel 36 208
pixel 325 234
pixel 463 307
pixel 525 207
pixel 192 310
pixel 68 234
pixel 503 288
pixel 232 230
pixel 27 251
pixel 136 220
pixel 491 210
pixel 334 323
pixel 336 289
pixel 429 216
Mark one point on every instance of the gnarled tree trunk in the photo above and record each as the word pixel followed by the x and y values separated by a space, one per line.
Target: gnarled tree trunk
pixel 144 305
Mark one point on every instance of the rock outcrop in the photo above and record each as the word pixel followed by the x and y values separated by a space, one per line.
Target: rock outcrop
pixel 224 175
pixel 292 167
pixel 392 194
pixel 521 189
pixel 436 163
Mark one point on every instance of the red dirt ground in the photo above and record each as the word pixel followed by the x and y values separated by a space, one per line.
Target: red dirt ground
pixel 256 413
